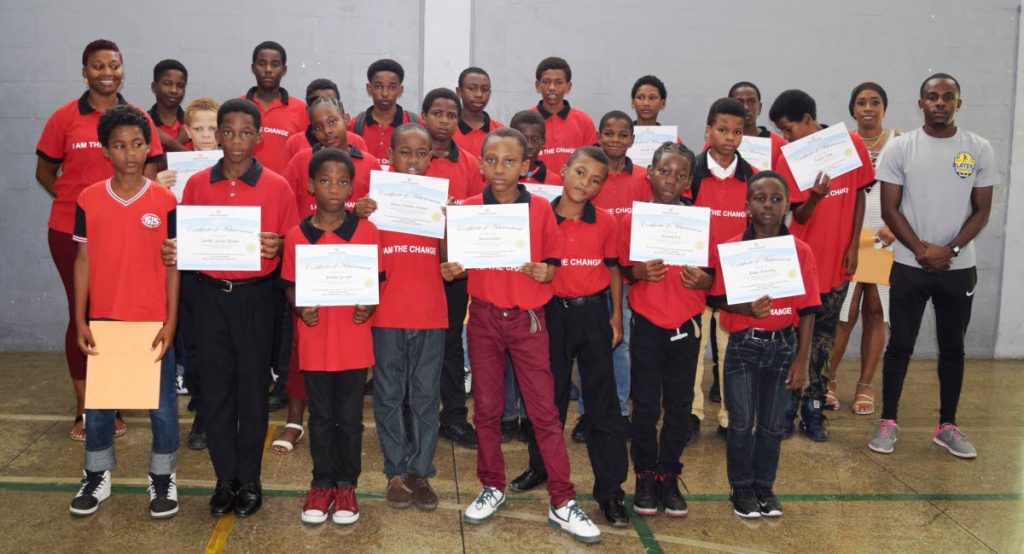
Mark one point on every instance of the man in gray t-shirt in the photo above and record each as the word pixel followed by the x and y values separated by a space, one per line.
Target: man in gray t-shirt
pixel 937 184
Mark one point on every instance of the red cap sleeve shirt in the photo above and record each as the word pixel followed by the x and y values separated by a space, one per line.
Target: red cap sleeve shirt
pixel 297 175
pixel 306 141
pixel 336 343
pixel 472 140
pixel 830 227
pixel 70 139
pixel 564 132
pixel 462 170
pixel 726 198
pixel 591 249
pixel 622 188
pixel 784 311
pixel 257 187
pixel 378 135
pixel 508 287
pixel 127 276
pixel 412 297
pixel 666 303
pixel 539 174
pixel 285 117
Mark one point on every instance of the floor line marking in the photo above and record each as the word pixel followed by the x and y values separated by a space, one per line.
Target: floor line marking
pixel 650 543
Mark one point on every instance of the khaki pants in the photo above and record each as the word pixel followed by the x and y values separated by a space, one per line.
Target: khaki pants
pixel 698 394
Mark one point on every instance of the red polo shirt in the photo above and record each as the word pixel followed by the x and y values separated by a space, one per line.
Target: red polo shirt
pixel 776 146
pixel 784 311
pixel 564 132
pixel 378 135
pixel 539 175
pixel 336 343
pixel 297 175
pixel 727 198
pixel 172 129
pixel 257 187
pixel 70 139
pixel 462 171
pixel 285 117
pixel 508 287
pixel 304 141
pixel 472 140
pixel 622 188
pixel 127 277
pixel 830 227
pixel 413 295
pixel 591 248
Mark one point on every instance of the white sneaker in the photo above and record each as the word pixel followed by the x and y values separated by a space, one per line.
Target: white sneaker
pixel 467 377
pixel 163 496
pixel 179 384
pixel 95 489
pixel 571 519
pixel 486 503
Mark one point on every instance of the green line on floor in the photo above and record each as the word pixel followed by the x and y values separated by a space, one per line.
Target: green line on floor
pixel 650 543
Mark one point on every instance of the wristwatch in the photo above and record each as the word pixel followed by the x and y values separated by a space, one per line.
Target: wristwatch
pixel 955 249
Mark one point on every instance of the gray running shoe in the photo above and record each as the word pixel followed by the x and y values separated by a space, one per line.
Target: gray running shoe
pixel 885 436
pixel 951 438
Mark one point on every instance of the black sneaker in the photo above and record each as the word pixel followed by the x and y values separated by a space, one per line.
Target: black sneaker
pixel 812 420
pixel 509 430
pixel 461 434
pixel 579 432
pixel 694 430
pixel 714 395
pixel 197 435
pixel 770 506
pixel 163 496
pixel 95 489
pixel 744 503
pixel 645 494
pixel 671 498
pixel 278 397
pixel 722 433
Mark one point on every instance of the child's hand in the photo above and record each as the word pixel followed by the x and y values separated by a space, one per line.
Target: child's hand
pixel 885 237
pixel 796 379
pixel 761 308
pixel 851 258
pixel 617 333
pixel 451 271
pixel 822 184
pixel 365 206
pixel 362 314
pixel 695 278
pixel 164 339
pixel 169 252
pixel 309 316
pixel 538 271
pixel 167 177
pixel 270 245
pixel 653 270
pixel 85 341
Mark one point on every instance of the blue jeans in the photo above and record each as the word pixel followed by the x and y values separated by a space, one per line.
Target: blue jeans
pixel 99 429
pixel 755 393
pixel 620 358
pixel 408 361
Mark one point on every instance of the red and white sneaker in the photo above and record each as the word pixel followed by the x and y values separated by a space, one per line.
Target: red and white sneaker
pixel 319 502
pixel 346 508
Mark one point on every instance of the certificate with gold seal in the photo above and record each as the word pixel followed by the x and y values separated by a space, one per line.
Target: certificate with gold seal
pixel 489 236
pixel 218 238
pixel 765 267
pixel 336 275
pixel 411 204
pixel 675 234
pixel 830 150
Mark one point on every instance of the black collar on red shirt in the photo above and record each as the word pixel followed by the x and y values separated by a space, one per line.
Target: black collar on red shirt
pixel 628 167
pixel 748 234
pixel 284 94
pixel 250 177
pixel 637 123
pixel 523 198
pixel 453 154
pixel 764 132
pixel 310 138
pixel 346 231
pixel 540 174
pixel 395 121
pixel 154 114
pixel 353 152
pixel 466 129
pixel 563 113
pixel 589 212
pixel 84 108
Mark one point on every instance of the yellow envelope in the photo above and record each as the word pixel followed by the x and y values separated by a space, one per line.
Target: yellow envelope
pixel 873 264
pixel 124 375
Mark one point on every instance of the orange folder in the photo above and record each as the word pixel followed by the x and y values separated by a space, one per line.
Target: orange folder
pixel 124 374
pixel 873 264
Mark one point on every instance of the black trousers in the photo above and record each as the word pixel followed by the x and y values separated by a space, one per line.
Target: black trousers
pixel 952 294
pixel 663 367
pixel 583 333
pixel 233 338
pixel 284 327
pixel 335 426
pixel 453 384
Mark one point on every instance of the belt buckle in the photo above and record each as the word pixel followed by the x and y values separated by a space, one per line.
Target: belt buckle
pixel 226 286
pixel 565 303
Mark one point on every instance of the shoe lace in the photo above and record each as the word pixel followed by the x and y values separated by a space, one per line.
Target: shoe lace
pixel 91 482
pixel 955 432
pixel 486 496
pixel 575 512
pixel 160 486
pixel 886 428
pixel 398 481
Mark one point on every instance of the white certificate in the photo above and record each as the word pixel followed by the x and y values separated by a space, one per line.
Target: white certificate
pixel 489 236
pixel 647 139
pixel 756 268
pixel 547 192
pixel 409 203
pixel 188 164
pixel 757 151
pixel 830 150
pixel 678 235
pixel 218 238
pixel 336 275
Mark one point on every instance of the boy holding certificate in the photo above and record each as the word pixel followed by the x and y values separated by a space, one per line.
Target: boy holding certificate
pixel 335 346
pixel 667 301
pixel 120 224
pixel 507 318
pixel 567 128
pixel 531 125
pixel 828 217
pixel 766 357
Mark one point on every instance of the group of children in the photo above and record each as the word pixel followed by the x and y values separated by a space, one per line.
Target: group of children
pixel 636 329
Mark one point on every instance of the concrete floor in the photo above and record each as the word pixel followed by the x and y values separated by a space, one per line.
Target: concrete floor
pixel 839 497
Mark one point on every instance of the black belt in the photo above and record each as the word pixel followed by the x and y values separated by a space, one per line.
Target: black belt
pixel 761 334
pixel 227 285
pixel 579 301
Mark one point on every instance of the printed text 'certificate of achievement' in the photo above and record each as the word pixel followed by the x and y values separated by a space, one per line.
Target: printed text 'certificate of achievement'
pixel 547 192
pixel 336 275
pixel 829 150
pixel 756 268
pixel 757 151
pixel 489 236
pixel 677 235
pixel 409 203
pixel 647 139
pixel 218 238
pixel 188 164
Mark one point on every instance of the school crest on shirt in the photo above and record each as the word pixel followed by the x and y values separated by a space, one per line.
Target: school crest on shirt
pixel 963 164
pixel 151 220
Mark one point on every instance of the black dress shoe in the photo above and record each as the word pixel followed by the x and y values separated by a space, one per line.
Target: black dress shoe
pixel 197 436
pixel 223 499
pixel 461 434
pixel 249 499
pixel 278 397
pixel 694 430
pixel 579 431
pixel 528 481
pixel 615 513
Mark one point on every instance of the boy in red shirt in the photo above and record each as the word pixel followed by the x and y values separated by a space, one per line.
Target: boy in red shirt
pixel 474 123
pixel 169 81
pixel 384 85
pixel 283 115
pixel 828 217
pixel 567 128
pixel 315 89
pixel 748 93
pixel 531 125
pixel 120 224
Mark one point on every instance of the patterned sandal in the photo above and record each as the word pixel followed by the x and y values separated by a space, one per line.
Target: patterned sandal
pixel 864 402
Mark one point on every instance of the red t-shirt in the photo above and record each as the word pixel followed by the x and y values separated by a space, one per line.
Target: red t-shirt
pixel 305 141
pixel 508 287
pixel 462 171
pixel 727 198
pixel 285 117
pixel 564 132
pixel 336 343
pixel 413 295
pixel 539 175
pixel 127 276
pixel 784 311
pixel 591 248
pixel 71 140
pixel 622 188
pixel 378 135
pixel 257 187
pixel 472 140
pixel 830 227
pixel 297 175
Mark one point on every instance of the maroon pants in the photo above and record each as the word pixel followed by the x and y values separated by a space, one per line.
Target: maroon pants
pixel 63 250
pixel 492 332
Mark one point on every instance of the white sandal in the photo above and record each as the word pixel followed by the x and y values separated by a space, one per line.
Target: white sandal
pixel 287 445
